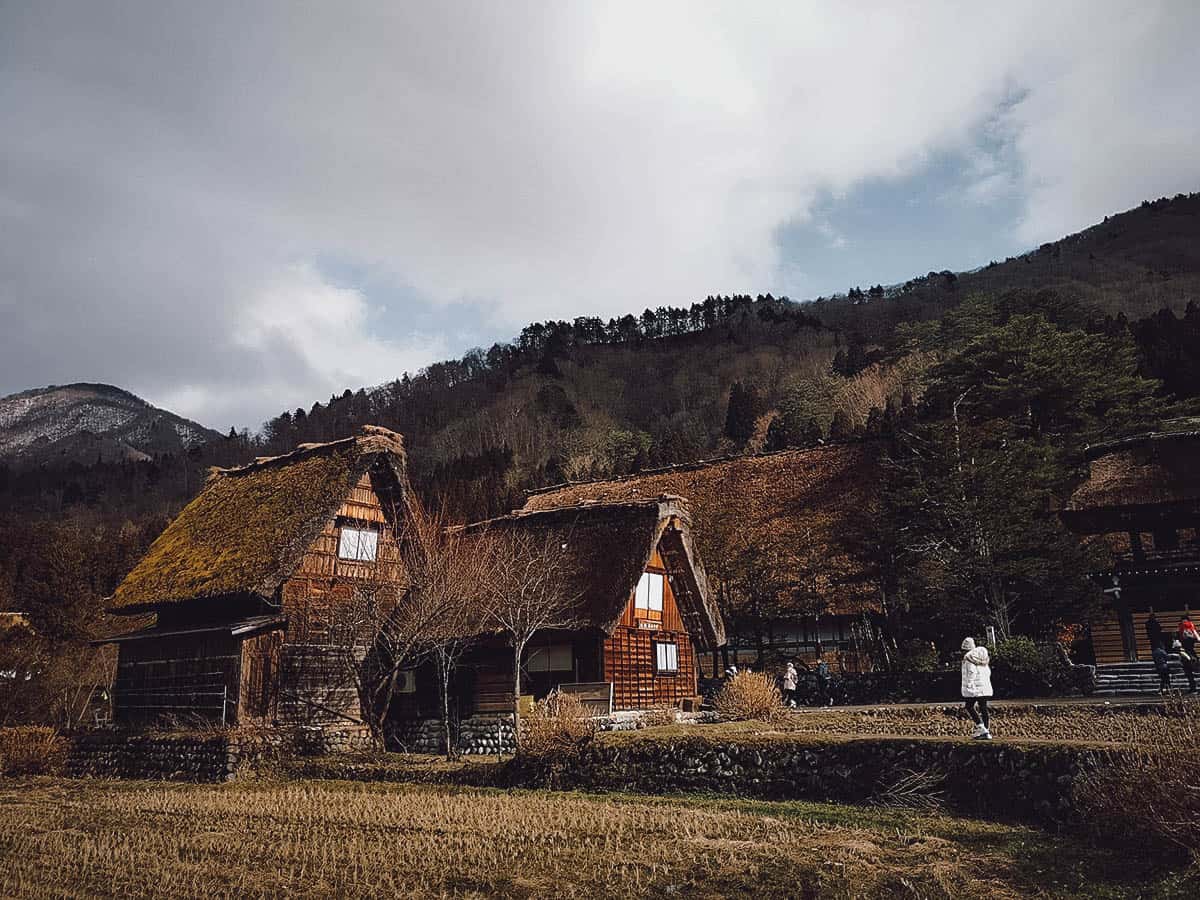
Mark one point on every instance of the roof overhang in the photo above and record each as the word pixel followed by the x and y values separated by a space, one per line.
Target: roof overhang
pixel 240 629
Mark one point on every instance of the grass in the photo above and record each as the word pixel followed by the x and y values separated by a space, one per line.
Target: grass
pixel 331 838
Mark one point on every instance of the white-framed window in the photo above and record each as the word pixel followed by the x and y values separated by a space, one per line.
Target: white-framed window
pixel 649 593
pixel 358 544
pixel 555 658
pixel 666 657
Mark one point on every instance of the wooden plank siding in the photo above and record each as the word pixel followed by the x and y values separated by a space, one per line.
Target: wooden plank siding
pixel 183 677
pixel 629 654
pixel 1106 640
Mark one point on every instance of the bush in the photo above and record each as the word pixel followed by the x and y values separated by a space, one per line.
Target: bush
pixel 916 656
pixel 1023 667
pixel 1148 793
pixel 32 750
pixel 749 695
pixel 559 725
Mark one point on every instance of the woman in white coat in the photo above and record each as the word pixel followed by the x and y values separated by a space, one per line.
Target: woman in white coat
pixel 977 687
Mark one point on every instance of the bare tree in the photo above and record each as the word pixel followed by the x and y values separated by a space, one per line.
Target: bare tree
pixel 445 568
pixel 529 589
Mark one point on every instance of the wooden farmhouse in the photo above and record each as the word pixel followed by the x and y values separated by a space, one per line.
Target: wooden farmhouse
pixel 641 608
pixel 251 587
pixel 803 516
pixel 246 584
pixel 1142 499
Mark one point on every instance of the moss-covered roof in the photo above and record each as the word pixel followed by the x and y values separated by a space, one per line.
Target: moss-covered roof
pixel 605 549
pixel 246 532
pixel 819 502
pixel 1151 470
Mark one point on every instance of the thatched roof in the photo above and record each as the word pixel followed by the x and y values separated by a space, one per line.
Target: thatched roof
pixel 606 547
pixel 1159 471
pixel 818 503
pixel 246 532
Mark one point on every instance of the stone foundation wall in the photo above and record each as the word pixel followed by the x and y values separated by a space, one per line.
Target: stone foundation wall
pixel 477 735
pixel 203 757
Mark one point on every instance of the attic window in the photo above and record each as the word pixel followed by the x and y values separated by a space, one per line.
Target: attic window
pixel 648 599
pixel 358 544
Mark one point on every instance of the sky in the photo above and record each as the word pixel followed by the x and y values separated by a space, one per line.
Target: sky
pixel 236 209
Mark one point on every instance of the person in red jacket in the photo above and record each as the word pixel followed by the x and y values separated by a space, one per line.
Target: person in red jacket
pixel 1187 629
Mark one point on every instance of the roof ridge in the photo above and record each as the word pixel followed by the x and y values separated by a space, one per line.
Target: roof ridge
pixel 591 505
pixel 689 466
pixel 370 439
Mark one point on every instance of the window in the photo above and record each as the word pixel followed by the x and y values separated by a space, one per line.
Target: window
pixel 406 681
pixel 666 658
pixel 359 544
pixel 555 658
pixel 649 594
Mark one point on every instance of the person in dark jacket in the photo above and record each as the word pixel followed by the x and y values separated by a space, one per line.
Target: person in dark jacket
pixel 1153 631
pixel 1188 661
pixel 1162 665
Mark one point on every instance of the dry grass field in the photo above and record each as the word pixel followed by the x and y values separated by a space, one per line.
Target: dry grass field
pixel 1137 726
pixel 62 838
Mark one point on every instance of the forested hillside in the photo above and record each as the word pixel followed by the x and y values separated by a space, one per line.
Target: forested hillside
pixel 1094 335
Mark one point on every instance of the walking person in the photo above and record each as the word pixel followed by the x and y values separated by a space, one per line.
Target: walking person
pixel 1187 629
pixel 789 685
pixel 977 687
pixel 824 694
pixel 1188 661
pixel 1162 665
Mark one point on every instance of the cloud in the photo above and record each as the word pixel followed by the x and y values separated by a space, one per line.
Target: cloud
pixel 173 176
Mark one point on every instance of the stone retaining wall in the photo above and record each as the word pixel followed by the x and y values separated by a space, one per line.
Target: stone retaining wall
pixel 203 757
pixel 1022 782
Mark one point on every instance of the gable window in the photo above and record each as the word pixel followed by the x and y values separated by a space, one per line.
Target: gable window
pixel 648 598
pixel 555 658
pixel 666 658
pixel 358 544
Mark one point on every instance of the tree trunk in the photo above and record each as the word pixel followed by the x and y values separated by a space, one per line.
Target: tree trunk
pixel 517 648
pixel 444 678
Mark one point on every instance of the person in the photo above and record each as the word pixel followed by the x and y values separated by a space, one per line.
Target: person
pixel 1187 628
pixel 1188 661
pixel 1162 665
pixel 823 692
pixel 789 685
pixel 1153 631
pixel 977 687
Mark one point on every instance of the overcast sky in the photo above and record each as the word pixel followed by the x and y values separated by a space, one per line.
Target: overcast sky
pixel 236 209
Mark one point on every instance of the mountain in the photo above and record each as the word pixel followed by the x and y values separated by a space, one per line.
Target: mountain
pixel 87 423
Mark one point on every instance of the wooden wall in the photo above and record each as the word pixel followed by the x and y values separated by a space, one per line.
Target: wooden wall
pixel 629 655
pixel 182 677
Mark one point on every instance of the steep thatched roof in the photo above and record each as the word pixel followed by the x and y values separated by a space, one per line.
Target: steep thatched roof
pixel 1160 471
pixel 606 547
pixel 817 503
pixel 246 532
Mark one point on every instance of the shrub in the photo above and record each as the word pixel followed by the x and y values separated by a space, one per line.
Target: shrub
pixel 1025 667
pixel 558 725
pixel 32 750
pixel 749 695
pixel 1148 792
pixel 916 655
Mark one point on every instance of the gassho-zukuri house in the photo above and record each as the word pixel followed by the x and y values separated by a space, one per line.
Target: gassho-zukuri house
pixel 245 584
pixel 814 507
pixel 1142 500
